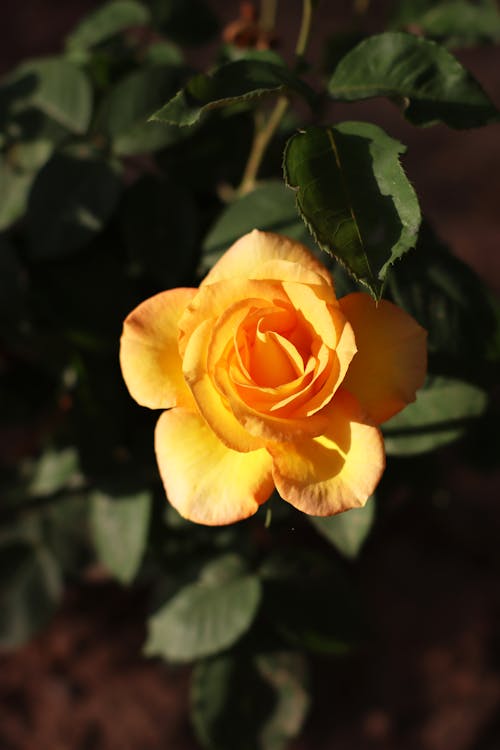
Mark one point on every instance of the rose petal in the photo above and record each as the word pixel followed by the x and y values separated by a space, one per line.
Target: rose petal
pixel 275 360
pixel 336 471
pixel 149 354
pixel 264 426
pixel 214 300
pixel 209 400
pixel 205 481
pixel 245 258
pixel 319 309
pixel 391 361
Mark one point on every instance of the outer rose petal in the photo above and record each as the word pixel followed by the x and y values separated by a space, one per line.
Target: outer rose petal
pixel 245 258
pixel 336 471
pixel 149 354
pixel 391 361
pixel 205 481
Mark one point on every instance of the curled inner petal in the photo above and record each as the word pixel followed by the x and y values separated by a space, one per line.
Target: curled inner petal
pixel 274 360
pixel 272 367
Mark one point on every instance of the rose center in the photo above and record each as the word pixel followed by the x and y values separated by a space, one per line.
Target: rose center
pixel 275 350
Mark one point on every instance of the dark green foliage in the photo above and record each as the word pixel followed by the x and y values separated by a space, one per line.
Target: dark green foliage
pixel 310 602
pixel 70 202
pixel 106 199
pixel 30 587
pixel 450 302
pixel 248 701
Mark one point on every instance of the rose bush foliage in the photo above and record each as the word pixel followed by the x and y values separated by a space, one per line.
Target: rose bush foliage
pixel 268 380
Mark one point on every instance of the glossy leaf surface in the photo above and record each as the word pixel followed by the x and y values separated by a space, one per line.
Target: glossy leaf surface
pixel 354 196
pixel 240 81
pixel 432 83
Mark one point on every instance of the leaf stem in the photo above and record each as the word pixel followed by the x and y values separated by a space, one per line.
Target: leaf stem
pixel 260 143
pixel 265 130
pixel 305 28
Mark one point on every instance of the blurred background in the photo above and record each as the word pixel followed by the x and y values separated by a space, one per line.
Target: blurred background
pixel 429 676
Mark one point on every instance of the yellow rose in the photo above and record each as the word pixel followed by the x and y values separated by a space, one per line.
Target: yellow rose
pixel 270 381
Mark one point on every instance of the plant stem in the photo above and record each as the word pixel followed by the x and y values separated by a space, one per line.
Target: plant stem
pixel 260 142
pixel 264 130
pixel 305 28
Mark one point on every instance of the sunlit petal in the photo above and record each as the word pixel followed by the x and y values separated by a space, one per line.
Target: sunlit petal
pixel 204 480
pixel 247 257
pixel 335 471
pixel 391 361
pixel 149 355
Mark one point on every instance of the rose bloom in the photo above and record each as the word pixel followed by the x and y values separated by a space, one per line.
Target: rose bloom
pixel 270 381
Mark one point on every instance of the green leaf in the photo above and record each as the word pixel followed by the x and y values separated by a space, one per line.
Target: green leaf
pixel 119 524
pixel 57 88
pixel 270 207
pixel 71 201
pixel 30 156
pixel 164 53
pixel 30 587
pixel 247 702
pixel 55 470
pixel 124 114
pixel 104 22
pixel 441 414
pixel 207 616
pixel 239 81
pixel 449 300
pixel 435 87
pixel 458 22
pixel 347 531
pixel 354 197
